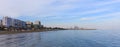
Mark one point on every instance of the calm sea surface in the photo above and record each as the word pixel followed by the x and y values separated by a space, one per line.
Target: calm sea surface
pixel 65 38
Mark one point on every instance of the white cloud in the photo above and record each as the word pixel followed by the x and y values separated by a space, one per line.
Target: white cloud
pixel 106 3
pixel 85 18
pixel 40 8
pixel 115 14
pixel 94 11
pixel 111 22
pixel 22 7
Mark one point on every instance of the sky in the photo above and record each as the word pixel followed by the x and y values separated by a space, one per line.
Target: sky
pixel 100 14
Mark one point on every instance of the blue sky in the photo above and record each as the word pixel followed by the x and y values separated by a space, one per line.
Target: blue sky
pixel 101 14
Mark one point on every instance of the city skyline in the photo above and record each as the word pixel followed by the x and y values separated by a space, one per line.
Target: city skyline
pixel 101 14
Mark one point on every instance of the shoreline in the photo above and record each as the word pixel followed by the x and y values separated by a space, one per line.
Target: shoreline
pixel 17 32
pixel 30 31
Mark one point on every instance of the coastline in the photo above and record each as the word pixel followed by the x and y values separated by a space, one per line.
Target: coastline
pixel 17 32
pixel 31 31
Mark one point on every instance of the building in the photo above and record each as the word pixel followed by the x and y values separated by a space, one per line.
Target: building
pixel 11 22
pixel 7 22
pixel 1 23
pixel 19 24
pixel 23 23
pixel 29 24
pixel 37 24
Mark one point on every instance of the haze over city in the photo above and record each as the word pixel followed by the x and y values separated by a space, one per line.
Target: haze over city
pixel 100 14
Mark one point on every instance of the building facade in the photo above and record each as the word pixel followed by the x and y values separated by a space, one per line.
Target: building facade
pixel 1 23
pixel 10 22
pixel 37 24
pixel 29 24
pixel 7 22
pixel 19 24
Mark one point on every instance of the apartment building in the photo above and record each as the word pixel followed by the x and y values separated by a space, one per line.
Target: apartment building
pixel 7 22
pixel 11 22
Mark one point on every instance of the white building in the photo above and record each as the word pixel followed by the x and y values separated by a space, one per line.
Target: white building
pixel 37 23
pixel 10 22
pixel 7 22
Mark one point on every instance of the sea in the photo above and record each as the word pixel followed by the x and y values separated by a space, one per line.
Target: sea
pixel 63 38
